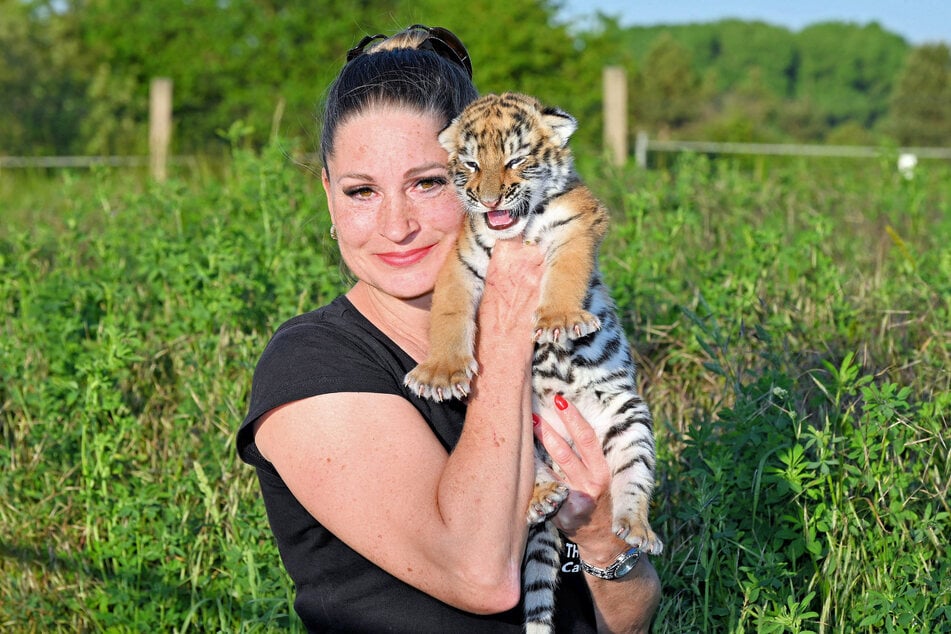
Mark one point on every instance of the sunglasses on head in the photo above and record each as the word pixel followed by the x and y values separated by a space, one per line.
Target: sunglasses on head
pixel 441 41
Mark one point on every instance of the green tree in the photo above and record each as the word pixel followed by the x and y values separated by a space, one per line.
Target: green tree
pixel 921 104
pixel 75 74
pixel 41 91
pixel 592 51
pixel 727 50
pixel 244 60
pixel 667 87
pixel 521 48
pixel 735 48
pixel 264 62
pixel 748 113
pixel 848 71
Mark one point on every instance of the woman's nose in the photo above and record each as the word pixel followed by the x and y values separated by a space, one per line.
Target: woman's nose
pixel 398 221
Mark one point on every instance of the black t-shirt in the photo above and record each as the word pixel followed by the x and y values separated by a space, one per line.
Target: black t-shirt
pixel 336 349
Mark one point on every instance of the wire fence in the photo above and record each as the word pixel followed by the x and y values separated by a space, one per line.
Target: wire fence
pixel 615 139
pixel 644 145
pixel 7 162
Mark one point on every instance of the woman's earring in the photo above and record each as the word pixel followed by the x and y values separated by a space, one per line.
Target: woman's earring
pixel 333 232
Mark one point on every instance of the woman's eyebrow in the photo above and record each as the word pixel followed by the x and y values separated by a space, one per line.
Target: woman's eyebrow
pixel 427 167
pixel 358 176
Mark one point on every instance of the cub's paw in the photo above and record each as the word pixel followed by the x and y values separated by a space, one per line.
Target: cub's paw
pixel 560 327
pixel 442 380
pixel 639 534
pixel 546 499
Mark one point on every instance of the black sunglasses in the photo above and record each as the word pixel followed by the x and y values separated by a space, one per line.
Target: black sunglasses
pixel 441 41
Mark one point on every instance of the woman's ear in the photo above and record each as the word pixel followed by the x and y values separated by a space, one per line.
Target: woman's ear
pixel 325 181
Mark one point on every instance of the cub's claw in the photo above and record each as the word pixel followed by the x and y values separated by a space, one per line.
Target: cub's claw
pixel 639 534
pixel 441 381
pixel 546 500
pixel 558 328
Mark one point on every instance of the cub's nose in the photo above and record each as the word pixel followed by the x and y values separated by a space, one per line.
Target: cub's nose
pixel 491 203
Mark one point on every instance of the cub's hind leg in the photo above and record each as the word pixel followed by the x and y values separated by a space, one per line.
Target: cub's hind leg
pixel 630 455
pixel 548 493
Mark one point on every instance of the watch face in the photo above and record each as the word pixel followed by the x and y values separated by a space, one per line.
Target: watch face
pixel 627 565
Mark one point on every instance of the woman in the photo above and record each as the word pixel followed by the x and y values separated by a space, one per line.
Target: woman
pixel 394 513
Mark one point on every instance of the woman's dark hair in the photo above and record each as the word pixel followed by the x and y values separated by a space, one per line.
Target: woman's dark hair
pixel 404 71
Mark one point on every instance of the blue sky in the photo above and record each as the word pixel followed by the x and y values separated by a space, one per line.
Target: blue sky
pixel 918 21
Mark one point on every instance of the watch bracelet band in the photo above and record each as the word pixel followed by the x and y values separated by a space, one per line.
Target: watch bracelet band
pixel 609 572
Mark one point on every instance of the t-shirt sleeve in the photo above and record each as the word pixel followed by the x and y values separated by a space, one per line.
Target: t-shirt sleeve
pixel 309 358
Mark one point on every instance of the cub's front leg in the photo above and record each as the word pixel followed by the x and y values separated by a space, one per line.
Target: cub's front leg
pixel 450 365
pixel 571 262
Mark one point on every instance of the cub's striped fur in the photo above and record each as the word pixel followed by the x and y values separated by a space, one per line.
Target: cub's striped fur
pixel 509 160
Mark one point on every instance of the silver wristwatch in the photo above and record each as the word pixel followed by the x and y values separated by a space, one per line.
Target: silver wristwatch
pixel 622 564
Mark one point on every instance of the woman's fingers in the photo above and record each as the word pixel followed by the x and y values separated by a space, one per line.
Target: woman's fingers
pixel 512 290
pixel 587 513
pixel 516 259
pixel 582 434
pixel 582 459
pixel 514 274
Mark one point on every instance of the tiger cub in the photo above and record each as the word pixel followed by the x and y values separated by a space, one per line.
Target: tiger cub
pixel 509 161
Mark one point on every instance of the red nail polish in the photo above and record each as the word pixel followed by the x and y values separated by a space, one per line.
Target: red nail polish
pixel 536 421
pixel 560 402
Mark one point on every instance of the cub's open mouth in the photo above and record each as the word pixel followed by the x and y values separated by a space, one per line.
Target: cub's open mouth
pixel 500 219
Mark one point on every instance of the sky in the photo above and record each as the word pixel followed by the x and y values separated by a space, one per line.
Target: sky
pixel 918 21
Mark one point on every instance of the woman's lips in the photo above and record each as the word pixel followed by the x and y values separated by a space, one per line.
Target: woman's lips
pixel 405 258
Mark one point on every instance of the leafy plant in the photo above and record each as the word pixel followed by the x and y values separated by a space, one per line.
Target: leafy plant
pixel 790 323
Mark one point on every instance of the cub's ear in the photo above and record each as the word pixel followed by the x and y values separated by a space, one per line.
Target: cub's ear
pixel 447 138
pixel 562 124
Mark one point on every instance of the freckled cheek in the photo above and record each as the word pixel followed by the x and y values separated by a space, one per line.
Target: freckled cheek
pixel 354 226
pixel 448 216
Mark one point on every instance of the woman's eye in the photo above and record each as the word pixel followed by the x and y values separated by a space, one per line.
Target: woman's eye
pixel 359 192
pixel 431 183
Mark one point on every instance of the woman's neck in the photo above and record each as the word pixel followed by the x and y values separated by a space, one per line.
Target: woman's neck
pixel 405 321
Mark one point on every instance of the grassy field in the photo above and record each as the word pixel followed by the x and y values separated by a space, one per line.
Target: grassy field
pixel 791 320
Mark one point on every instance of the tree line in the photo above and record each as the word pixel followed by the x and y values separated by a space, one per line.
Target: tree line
pixel 74 74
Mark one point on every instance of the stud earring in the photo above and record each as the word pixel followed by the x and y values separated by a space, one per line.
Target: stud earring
pixel 333 232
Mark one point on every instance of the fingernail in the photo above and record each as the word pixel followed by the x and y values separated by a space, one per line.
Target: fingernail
pixel 560 402
pixel 536 421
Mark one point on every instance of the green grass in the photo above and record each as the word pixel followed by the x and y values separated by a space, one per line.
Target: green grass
pixel 790 318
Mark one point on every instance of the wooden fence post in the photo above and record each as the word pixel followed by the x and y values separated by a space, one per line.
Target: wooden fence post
pixel 640 149
pixel 160 127
pixel 615 113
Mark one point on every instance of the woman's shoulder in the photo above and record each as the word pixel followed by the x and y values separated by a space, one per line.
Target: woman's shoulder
pixel 339 313
pixel 331 349
pixel 328 341
pixel 334 325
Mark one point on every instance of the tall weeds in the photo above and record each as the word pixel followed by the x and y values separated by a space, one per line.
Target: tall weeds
pixel 791 324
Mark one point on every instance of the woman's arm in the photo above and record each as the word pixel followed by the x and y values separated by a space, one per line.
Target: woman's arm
pixel 621 605
pixel 369 468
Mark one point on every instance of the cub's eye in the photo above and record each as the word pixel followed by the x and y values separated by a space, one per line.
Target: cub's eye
pixel 472 165
pixel 515 162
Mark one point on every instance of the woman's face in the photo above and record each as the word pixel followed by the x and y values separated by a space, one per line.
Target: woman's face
pixel 396 214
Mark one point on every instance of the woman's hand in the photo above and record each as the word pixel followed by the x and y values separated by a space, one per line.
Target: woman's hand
pixel 512 287
pixel 586 517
